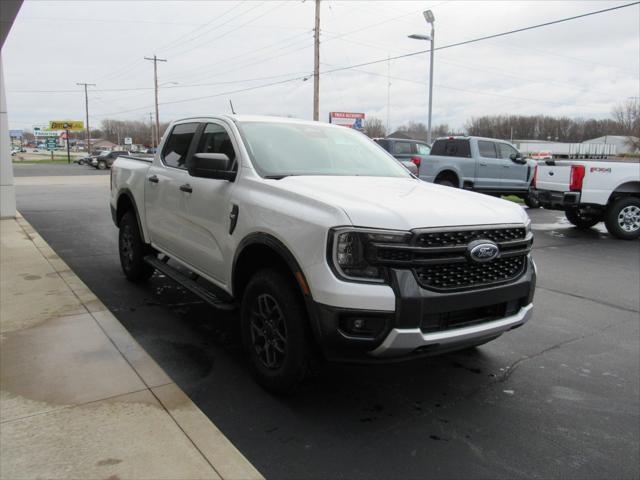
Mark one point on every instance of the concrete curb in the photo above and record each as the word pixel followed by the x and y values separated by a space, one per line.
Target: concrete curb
pixel 214 448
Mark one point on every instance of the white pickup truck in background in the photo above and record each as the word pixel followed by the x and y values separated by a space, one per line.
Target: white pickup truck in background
pixel 591 192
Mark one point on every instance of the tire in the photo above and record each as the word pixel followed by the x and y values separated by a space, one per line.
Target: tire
pixel 531 199
pixel 273 311
pixel 132 250
pixel 102 166
pixel 623 218
pixel 445 182
pixel 583 222
pixel 80 162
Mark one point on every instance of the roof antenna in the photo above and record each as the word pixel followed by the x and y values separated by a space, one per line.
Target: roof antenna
pixel 231 104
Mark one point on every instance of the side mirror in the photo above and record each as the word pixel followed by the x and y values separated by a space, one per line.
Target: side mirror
pixel 517 158
pixel 211 165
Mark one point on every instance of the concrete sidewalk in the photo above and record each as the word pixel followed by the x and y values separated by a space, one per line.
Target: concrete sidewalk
pixel 79 398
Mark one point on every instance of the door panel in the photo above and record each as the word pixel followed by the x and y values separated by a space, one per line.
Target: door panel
pixel 162 190
pixel 489 166
pixel 514 175
pixel 204 212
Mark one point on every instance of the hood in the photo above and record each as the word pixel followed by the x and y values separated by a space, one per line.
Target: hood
pixel 403 203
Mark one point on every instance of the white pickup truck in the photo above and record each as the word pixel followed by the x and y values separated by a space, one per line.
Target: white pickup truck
pixel 327 245
pixel 591 192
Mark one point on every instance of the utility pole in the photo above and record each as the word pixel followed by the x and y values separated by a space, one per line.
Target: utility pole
pixel 86 107
pixel 388 94
pixel 316 65
pixel 151 124
pixel 155 81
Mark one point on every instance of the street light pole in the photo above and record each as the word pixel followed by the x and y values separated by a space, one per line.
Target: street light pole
pixel 429 17
pixel 433 32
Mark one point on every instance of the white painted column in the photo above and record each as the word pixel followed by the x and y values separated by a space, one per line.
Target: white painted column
pixel 7 189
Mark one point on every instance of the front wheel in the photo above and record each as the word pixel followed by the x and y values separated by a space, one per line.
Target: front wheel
pixel 623 218
pixel 132 250
pixel 275 331
pixel 581 220
pixel 102 165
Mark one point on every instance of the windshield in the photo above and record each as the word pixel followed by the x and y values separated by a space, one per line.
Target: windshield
pixel 282 149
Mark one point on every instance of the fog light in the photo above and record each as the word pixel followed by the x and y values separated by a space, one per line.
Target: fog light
pixel 362 326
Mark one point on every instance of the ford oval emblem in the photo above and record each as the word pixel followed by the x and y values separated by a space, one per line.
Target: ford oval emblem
pixel 483 251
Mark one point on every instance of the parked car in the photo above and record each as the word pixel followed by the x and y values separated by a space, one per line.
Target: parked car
pixel 105 159
pixel 591 192
pixel 410 152
pixel 323 241
pixel 484 165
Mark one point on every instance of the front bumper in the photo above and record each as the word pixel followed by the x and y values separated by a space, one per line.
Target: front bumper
pixel 403 340
pixel 425 322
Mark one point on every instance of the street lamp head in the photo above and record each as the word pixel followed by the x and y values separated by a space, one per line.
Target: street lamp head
pixel 417 36
pixel 428 16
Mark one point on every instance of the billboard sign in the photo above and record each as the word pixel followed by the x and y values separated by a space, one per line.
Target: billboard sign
pixel 128 141
pixel 16 133
pixel 347 119
pixel 73 125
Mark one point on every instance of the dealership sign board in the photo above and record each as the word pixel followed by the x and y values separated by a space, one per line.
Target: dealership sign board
pixel 16 133
pixel 347 119
pixel 45 133
pixel 73 125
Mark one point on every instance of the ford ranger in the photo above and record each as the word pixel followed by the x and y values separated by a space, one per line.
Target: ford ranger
pixel 484 165
pixel 590 192
pixel 324 242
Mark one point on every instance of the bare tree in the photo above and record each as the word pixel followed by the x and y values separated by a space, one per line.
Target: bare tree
pixel 373 127
pixel 627 114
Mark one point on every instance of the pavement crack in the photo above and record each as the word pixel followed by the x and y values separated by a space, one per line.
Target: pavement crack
pixel 582 297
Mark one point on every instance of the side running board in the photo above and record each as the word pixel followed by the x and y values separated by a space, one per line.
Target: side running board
pixel 221 301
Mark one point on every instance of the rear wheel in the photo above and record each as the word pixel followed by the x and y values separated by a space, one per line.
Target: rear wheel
pixel 132 250
pixel 581 220
pixel 623 218
pixel 446 181
pixel 531 199
pixel 275 331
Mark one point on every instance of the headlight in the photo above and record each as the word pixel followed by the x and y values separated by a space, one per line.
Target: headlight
pixel 347 252
pixel 527 227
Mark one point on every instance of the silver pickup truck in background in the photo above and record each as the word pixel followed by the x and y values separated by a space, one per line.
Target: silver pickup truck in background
pixel 485 165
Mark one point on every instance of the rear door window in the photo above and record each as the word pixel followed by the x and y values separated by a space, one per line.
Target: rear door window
pixel 402 148
pixel 174 152
pixel 487 149
pixel 451 148
pixel 383 143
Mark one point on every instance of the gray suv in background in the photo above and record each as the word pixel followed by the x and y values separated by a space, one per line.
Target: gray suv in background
pixel 410 152
pixel 485 165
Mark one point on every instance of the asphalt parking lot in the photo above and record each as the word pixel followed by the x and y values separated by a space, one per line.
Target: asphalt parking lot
pixel 559 397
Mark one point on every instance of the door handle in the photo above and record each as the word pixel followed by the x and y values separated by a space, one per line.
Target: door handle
pixel 483 164
pixel 153 179
pixel 186 188
pixel 505 166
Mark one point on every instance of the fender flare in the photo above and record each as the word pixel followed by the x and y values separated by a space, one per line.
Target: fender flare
pixel 117 215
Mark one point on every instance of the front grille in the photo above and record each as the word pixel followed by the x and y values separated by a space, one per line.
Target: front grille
pixel 464 237
pixel 441 261
pixel 466 274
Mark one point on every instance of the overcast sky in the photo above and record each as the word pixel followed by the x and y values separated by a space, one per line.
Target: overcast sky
pixel 579 68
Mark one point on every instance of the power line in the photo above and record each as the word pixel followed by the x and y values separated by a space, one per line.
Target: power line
pixel 373 62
